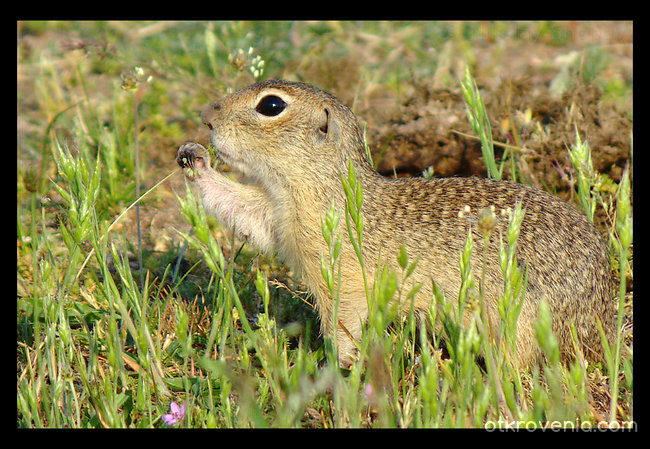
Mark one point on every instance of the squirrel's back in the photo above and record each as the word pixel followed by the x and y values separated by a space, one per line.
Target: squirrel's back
pixel 565 257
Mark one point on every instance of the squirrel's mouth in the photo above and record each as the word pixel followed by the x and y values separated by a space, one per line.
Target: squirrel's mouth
pixel 229 156
pixel 222 150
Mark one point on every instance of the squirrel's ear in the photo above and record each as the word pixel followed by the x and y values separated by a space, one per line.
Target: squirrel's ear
pixel 327 127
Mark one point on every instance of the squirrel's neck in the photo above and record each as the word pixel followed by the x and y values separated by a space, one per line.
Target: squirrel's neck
pixel 300 206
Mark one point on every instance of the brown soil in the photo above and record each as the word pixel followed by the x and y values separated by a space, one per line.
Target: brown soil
pixel 430 128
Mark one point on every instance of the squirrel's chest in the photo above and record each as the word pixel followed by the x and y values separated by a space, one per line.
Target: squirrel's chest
pixel 298 235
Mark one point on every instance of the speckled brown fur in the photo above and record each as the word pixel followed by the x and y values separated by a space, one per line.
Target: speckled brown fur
pixel 292 164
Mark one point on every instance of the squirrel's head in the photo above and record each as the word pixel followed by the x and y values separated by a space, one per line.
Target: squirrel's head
pixel 278 131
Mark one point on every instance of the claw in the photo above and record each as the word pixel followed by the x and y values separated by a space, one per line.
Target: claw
pixel 188 153
pixel 185 159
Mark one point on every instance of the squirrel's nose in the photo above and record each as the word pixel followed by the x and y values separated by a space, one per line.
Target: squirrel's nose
pixel 208 114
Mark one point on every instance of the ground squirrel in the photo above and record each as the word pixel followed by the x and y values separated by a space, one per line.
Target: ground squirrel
pixel 292 142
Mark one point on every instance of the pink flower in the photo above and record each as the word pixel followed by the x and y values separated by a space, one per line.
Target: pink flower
pixel 177 414
pixel 369 393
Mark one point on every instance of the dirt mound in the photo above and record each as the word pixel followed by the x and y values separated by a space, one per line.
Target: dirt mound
pixel 430 128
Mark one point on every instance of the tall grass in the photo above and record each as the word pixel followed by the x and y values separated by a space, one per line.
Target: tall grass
pixel 478 119
pixel 400 380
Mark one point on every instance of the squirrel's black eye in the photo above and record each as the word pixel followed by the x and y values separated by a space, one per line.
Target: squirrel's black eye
pixel 270 105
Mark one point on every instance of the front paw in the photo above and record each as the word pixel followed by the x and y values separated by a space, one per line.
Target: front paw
pixel 193 156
